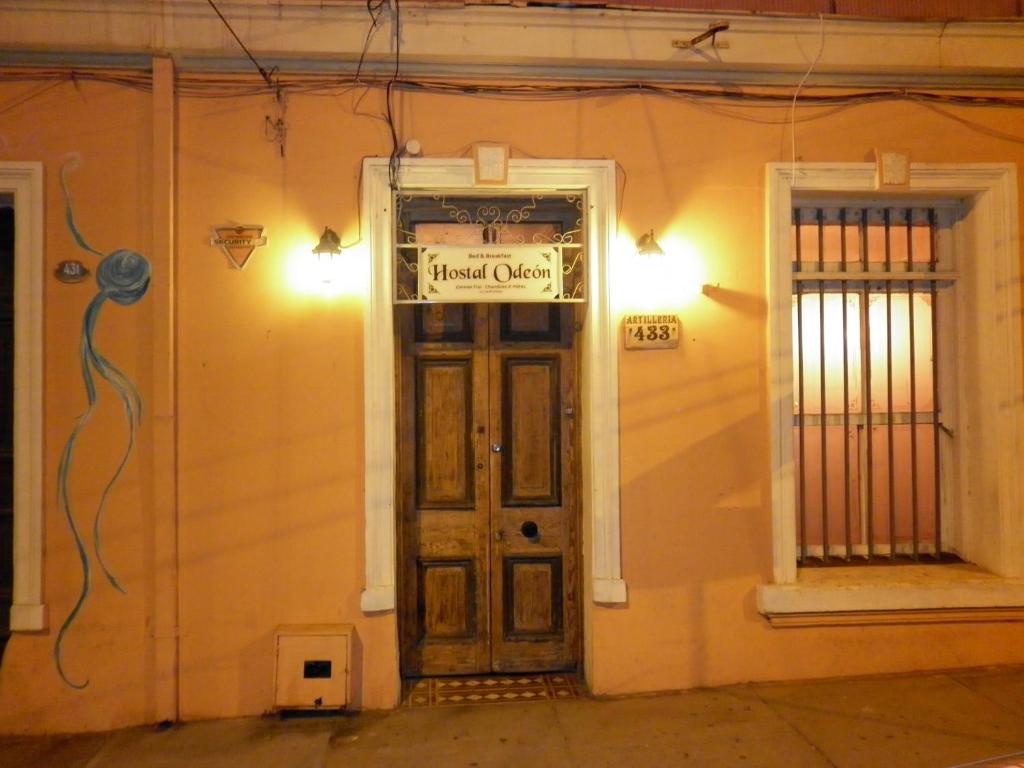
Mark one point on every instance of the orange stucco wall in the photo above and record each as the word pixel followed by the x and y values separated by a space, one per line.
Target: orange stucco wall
pixel 268 394
pixel 109 129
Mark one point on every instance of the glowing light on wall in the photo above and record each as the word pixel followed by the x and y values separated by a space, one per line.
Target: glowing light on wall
pixel 650 282
pixel 309 274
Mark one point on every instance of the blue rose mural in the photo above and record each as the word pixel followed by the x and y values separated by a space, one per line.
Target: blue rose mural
pixel 122 277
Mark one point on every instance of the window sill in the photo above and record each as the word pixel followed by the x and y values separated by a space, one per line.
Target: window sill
pixel 904 594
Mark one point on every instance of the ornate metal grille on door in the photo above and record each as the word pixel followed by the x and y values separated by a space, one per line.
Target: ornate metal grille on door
pixel 495 249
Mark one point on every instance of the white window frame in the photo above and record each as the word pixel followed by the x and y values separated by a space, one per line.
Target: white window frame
pixel 25 182
pixel 987 498
pixel 599 401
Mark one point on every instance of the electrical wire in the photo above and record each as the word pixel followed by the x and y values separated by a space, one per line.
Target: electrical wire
pixel 277 129
pixel 263 73
pixel 800 85
pixel 27 97
pixel 375 10
pixel 237 86
pixel 394 160
pixel 973 125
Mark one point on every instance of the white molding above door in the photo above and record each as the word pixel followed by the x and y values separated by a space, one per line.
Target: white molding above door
pixel 599 392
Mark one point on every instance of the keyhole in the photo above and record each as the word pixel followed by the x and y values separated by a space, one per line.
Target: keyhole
pixel 529 529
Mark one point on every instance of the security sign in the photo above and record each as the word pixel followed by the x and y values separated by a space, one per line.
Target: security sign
pixel 239 241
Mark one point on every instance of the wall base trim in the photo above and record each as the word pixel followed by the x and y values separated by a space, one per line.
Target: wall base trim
pixel 868 618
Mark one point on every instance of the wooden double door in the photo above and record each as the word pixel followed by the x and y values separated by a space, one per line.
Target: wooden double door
pixel 489 487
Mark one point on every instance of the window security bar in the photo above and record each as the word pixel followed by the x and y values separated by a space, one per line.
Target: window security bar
pixel 868 284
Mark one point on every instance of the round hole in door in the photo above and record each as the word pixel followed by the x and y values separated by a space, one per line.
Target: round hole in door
pixel 530 530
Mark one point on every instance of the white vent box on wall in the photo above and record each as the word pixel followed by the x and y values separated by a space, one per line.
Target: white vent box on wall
pixel 312 663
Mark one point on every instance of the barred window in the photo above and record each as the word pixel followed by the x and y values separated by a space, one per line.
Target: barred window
pixel 873 299
pixel 895 370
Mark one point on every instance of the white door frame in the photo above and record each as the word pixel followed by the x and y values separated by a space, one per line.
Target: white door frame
pixel 24 180
pixel 599 390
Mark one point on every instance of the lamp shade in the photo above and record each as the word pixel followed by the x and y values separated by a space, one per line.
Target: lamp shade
pixel 329 245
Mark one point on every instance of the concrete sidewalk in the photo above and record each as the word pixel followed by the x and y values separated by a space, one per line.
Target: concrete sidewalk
pixel 950 719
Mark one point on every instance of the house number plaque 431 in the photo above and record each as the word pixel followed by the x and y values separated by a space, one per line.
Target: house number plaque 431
pixel 651 331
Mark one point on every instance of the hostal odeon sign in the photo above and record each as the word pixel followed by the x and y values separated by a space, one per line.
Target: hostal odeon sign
pixel 485 273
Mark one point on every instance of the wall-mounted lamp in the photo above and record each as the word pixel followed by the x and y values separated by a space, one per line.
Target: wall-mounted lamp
pixel 328 247
pixel 646 245
pixel 653 278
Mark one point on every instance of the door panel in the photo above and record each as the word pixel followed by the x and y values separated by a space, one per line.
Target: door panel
pixel 445 322
pixel 530 322
pixel 533 596
pixel 444 401
pixel 530 405
pixel 447 605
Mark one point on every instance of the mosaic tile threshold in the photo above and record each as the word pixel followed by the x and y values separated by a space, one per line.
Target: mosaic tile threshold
pixel 491 689
pixel 1016 760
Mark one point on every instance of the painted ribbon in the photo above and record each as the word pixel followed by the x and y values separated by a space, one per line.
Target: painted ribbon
pixel 123 277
